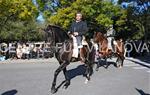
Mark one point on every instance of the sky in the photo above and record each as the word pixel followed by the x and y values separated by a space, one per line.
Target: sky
pixel 139 8
pixel 40 18
pixel 115 1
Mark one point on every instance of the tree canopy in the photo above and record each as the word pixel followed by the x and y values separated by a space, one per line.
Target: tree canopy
pixel 18 17
pixel 138 18
pixel 99 14
pixel 96 11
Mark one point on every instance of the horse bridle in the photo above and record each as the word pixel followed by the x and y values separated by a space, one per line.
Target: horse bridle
pixel 52 43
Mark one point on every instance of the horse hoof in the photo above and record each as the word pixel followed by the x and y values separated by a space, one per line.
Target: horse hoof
pixel 106 67
pixel 53 90
pixel 96 69
pixel 120 67
pixel 86 81
pixel 66 85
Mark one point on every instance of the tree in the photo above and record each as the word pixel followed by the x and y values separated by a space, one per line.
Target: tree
pixel 138 15
pixel 17 19
pixel 96 12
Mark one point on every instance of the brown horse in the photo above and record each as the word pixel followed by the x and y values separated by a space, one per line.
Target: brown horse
pixel 105 53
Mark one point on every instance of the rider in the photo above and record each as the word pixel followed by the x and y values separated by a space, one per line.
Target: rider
pixel 110 36
pixel 78 28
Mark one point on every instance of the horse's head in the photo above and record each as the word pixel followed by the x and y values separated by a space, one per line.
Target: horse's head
pixel 98 36
pixel 50 37
pixel 55 35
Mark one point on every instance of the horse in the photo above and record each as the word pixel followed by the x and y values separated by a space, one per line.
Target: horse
pixel 55 35
pixel 105 53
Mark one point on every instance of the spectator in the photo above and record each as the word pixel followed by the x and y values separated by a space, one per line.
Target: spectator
pixel 19 51
pixel 25 51
pixel 12 50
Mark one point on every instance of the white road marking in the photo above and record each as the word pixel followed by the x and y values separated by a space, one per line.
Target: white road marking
pixel 139 61
pixel 148 71
pixel 139 67
pixel 131 65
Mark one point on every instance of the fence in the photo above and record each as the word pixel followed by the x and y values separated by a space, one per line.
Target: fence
pixel 43 50
pixel 25 50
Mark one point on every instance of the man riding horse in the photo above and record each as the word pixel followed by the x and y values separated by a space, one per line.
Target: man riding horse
pixel 64 54
pixel 110 37
pixel 78 29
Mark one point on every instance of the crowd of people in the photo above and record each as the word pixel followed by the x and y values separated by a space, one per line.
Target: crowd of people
pixel 24 50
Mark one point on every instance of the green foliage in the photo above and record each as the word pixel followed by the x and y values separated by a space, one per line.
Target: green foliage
pixel 137 25
pixel 18 9
pixel 17 20
pixel 21 31
pixel 98 11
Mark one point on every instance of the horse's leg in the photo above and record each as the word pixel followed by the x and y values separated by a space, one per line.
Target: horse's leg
pixel 120 54
pixel 97 66
pixel 87 72
pixel 87 75
pixel 122 60
pixel 91 69
pixel 60 68
pixel 99 63
pixel 119 62
pixel 106 62
pixel 67 80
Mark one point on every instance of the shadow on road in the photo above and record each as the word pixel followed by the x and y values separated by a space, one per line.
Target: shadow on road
pixel 110 63
pixel 80 70
pixel 105 64
pixel 141 92
pixel 10 92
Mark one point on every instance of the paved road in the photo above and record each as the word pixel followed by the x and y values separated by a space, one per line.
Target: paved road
pixel 34 77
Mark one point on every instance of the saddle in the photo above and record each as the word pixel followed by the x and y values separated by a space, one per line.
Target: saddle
pixel 76 48
pixel 111 44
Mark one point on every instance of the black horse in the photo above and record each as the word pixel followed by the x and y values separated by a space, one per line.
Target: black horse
pixel 55 35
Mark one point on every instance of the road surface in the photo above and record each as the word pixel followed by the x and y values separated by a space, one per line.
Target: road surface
pixel 34 77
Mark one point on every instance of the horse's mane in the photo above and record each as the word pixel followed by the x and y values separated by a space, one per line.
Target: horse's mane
pixel 56 26
pixel 62 30
pixel 65 34
pixel 101 35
